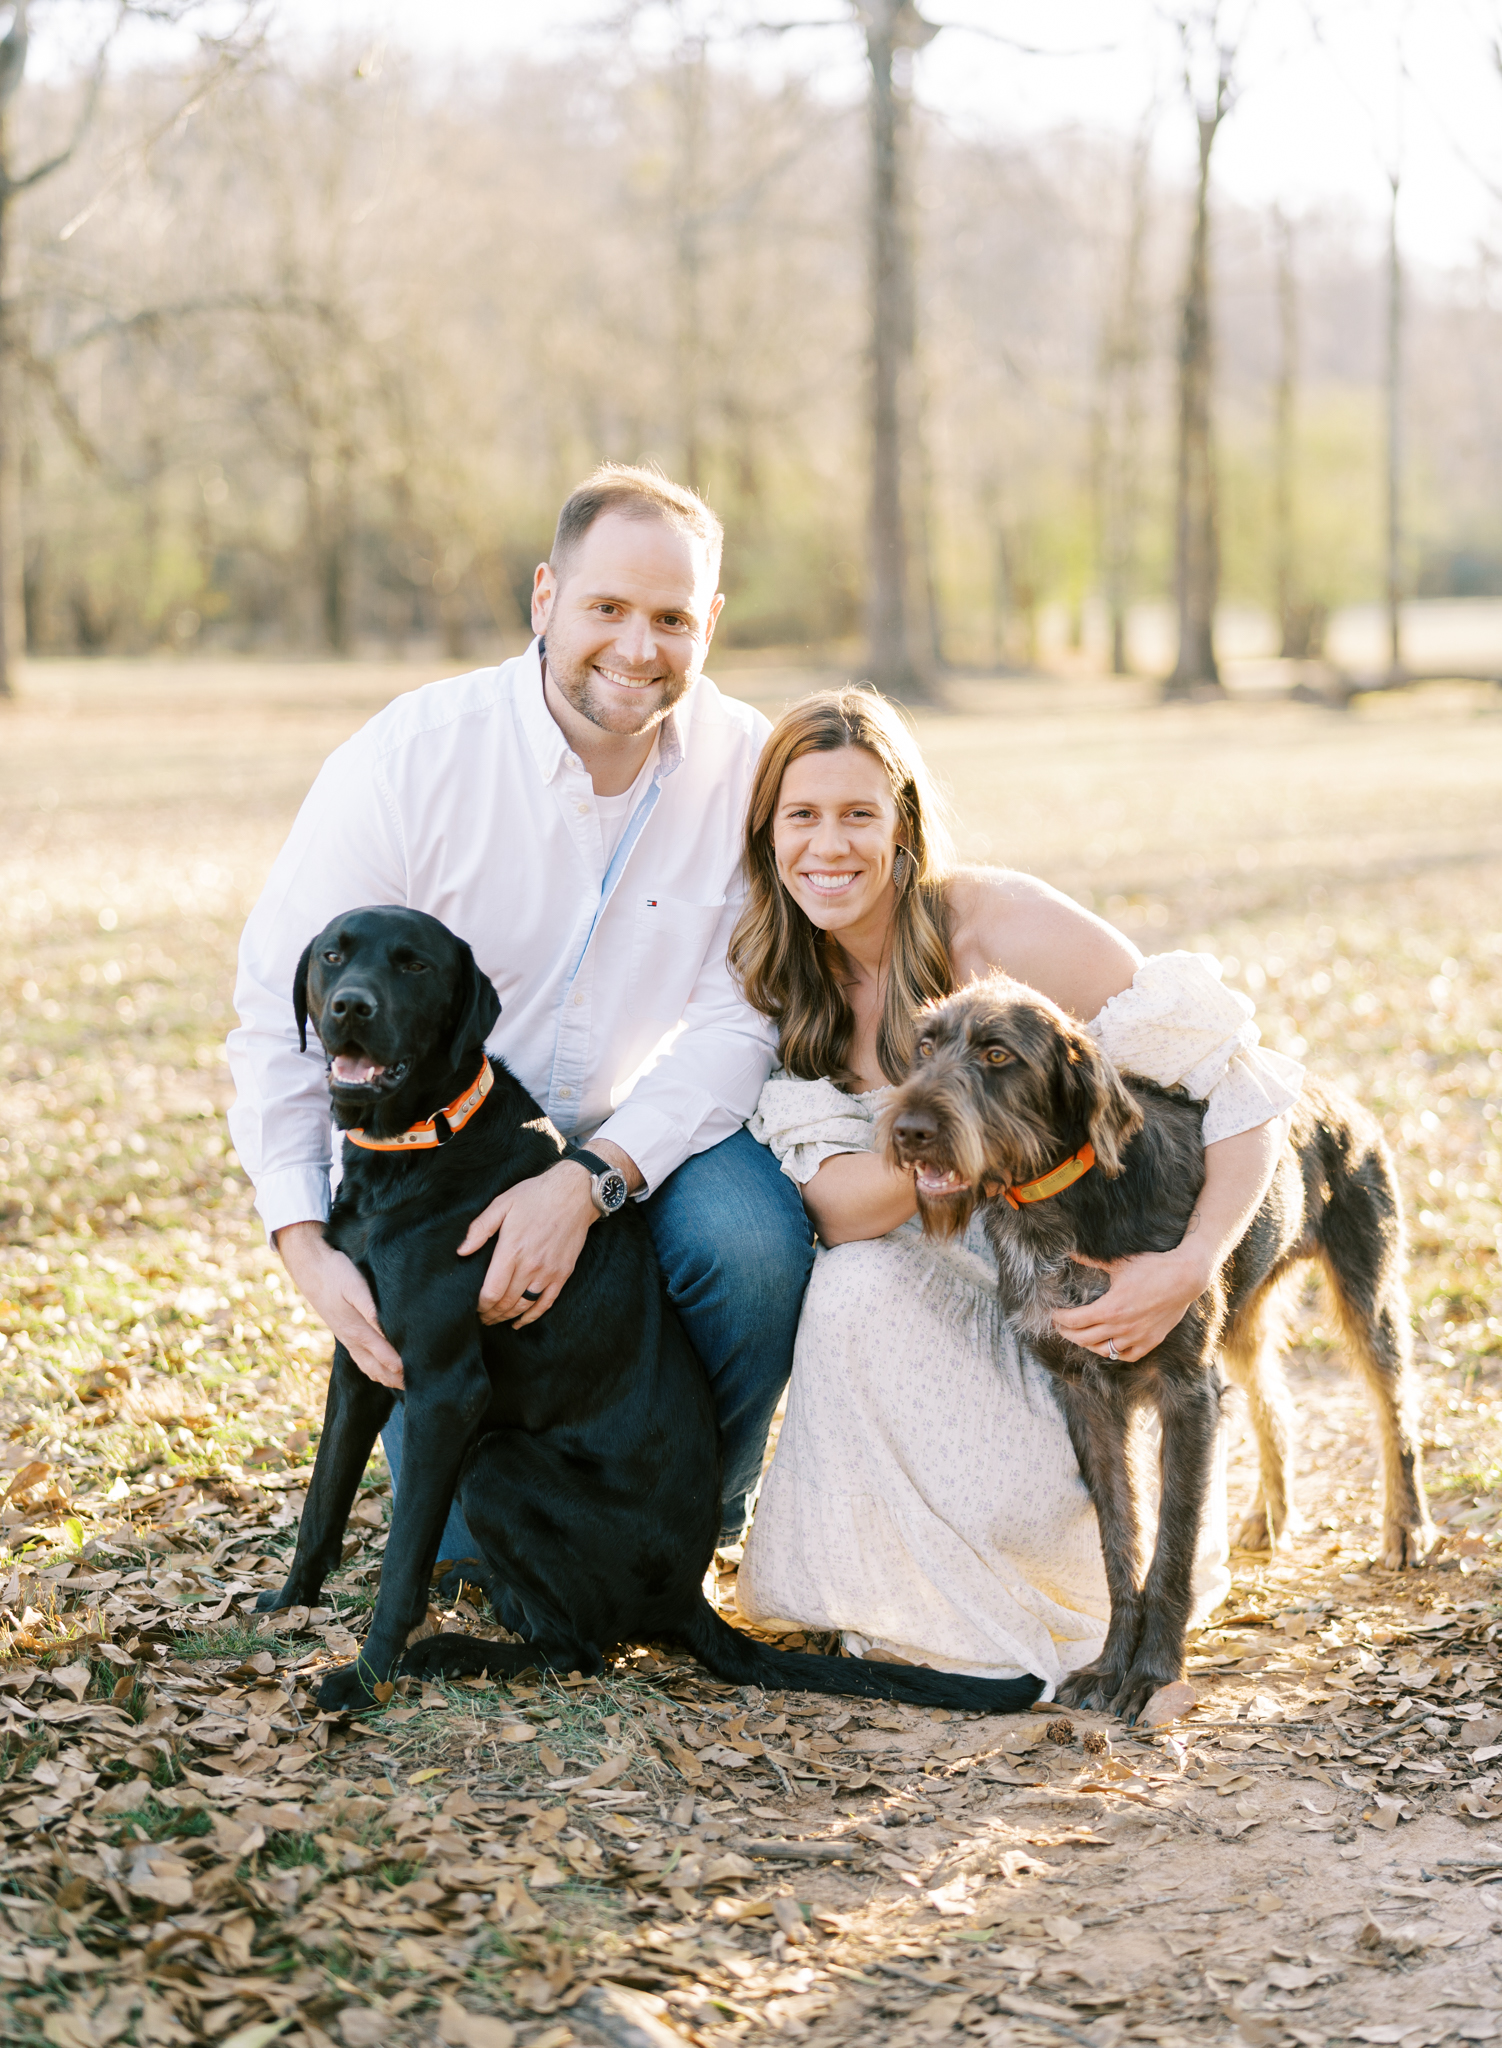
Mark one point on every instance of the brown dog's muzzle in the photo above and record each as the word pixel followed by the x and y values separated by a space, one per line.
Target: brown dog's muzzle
pixel 915 1141
pixel 923 1134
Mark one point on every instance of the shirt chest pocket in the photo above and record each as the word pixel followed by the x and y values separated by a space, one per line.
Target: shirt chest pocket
pixel 670 939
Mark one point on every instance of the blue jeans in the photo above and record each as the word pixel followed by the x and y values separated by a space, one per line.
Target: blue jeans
pixel 735 1249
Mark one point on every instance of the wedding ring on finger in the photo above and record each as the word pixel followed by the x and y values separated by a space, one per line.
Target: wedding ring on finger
pixel 1111 1351
pixel 528 1295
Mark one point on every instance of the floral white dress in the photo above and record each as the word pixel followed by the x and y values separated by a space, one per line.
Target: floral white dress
pixel 924 1499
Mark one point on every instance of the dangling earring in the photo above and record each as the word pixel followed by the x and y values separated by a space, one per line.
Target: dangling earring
pixel 899 866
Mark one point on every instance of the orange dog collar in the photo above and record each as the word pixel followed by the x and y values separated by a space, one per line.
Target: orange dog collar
pixel 424 1136
pixel 1074 1168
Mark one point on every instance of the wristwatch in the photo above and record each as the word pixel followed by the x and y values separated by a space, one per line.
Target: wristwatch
pixel 608 1190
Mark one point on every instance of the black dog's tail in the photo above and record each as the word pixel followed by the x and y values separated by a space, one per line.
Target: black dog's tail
pixel 740 1660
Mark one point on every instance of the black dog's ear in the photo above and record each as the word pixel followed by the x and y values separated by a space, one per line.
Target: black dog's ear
pixel 476 1007
pixel 300 995
pixel 1097 1097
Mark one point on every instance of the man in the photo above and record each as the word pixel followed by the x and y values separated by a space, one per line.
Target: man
pixel 575 815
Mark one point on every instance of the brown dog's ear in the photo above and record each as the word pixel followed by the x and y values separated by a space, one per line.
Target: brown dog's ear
pixel 476 1007
pixel 1097 1097
pixel 300 995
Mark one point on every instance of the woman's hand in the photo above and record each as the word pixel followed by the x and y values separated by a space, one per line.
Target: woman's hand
pixel 1149 1294
pixel 1147 1297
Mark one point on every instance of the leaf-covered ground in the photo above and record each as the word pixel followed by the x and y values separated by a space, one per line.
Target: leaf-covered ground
pixel 1313 1854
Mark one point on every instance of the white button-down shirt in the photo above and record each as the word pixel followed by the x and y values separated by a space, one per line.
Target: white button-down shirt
pixel 618 1012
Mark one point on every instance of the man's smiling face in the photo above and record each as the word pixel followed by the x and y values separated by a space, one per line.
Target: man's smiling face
pixel 628 616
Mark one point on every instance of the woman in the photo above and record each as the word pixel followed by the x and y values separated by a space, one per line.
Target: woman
pixel 925 1499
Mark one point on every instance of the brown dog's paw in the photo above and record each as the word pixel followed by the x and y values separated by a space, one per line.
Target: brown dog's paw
pixel 1406 1543
pixel 1261 1534
pixel 1091 1690
pixel 1138 1687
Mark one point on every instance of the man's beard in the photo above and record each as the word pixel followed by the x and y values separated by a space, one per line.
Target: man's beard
pixel 577 686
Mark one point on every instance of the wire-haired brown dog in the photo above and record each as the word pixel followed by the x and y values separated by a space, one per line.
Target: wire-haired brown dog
pixel 1011 1107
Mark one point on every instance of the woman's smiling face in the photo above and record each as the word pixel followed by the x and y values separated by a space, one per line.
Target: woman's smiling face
pixel 834 838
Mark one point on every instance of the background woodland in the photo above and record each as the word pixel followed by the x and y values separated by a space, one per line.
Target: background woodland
pixel 304 355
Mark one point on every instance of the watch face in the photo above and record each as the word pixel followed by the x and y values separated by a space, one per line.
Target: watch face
pixel 611 1191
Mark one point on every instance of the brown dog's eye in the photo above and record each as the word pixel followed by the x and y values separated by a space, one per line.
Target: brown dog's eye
pixel 997 1055
pixel 925 1048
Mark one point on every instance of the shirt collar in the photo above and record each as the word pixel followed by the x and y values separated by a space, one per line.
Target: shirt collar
pixel 550 749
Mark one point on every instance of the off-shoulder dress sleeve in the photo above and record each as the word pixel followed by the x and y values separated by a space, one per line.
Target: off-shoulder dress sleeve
pixel 807 1122
pixel 1179 1025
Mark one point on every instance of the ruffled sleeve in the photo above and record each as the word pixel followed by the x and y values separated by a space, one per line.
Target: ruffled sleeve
pixel 1179 1025
pixel 807 1122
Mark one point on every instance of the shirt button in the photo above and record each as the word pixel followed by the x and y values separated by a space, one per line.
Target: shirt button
pixel 582 809
pixel 577 1001
pixel 564 1094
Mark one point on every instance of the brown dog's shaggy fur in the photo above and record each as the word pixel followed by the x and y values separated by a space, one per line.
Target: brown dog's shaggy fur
pixel 1004 1087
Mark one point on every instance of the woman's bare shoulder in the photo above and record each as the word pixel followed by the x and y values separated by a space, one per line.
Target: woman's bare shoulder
pixel 1001 918
pixel 1003 903
pixel 979 888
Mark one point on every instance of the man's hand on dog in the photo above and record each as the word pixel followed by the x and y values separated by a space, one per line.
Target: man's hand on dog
pixel 1147 1298
pixel 539 1226
pixel 335 1287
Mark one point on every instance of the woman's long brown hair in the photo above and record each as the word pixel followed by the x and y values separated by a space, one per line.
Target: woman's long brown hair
pixel 788 968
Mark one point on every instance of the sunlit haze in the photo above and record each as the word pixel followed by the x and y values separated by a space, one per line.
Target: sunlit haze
pixel 1331 92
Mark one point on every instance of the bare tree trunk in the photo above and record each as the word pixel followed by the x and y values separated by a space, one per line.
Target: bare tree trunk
pixel 1284 573
pixel 1301 620
pixel 338 618
pixel 12 604
pixel 691 75
pixel 1118 424
pixel 1197 538
pixel 12 631
pixel 899 664
pixel 1394 437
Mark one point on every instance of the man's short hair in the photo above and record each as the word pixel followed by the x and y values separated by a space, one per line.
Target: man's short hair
pixel 636 491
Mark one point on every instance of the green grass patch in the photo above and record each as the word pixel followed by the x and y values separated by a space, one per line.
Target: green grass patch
pixel 154 1822
pixel 235 1639
pixel 292 1852
pixel 1479 1479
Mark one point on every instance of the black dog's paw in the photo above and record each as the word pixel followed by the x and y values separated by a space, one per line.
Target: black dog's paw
pixel 468 1572
pixel 350 1689
pixel 1091 1690
pixel 444 1656
pixel 284 1597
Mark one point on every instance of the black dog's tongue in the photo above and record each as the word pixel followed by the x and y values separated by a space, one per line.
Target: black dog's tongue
pixel 355 1069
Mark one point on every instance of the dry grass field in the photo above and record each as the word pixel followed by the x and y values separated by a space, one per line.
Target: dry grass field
pixel 193 1853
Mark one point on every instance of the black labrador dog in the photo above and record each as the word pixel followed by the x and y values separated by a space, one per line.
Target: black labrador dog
pixel 1011 1107
pixel 583 1448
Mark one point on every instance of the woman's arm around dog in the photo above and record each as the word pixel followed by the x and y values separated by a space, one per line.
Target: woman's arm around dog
pixel 1148 1295
pixel 1040 936
pixel 1012 922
